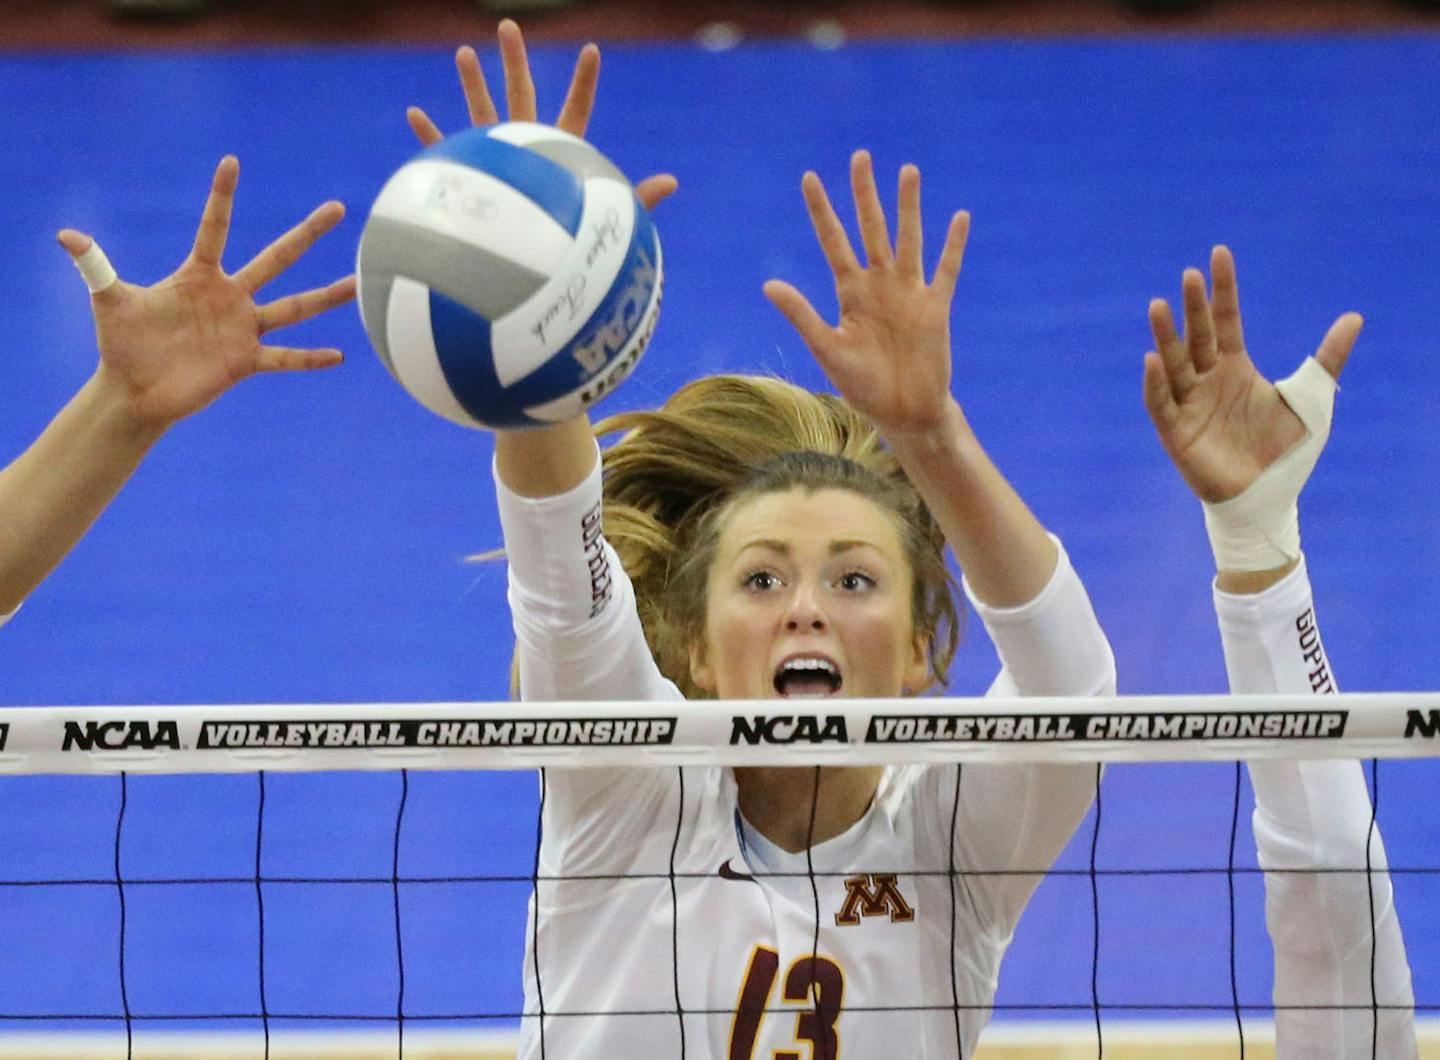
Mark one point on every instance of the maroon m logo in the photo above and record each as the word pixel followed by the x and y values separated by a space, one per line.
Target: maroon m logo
pixel 873 896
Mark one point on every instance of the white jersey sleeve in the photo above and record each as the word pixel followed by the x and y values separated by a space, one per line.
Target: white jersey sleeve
pixel 1317 815
pixel 578 636
pixel 1019 817
pixel 577 632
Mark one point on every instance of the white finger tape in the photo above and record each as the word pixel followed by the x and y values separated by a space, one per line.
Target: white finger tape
pixel 95 269
pixel 1260 529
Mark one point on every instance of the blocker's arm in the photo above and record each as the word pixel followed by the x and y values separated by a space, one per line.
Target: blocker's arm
pixel 166 352
pixel 890 357
pixel 52 493
pixel 546 461
pixel 1246 448
pixel 1312 826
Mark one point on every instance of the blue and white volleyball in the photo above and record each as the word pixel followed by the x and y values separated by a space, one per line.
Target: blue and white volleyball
pixel 509 277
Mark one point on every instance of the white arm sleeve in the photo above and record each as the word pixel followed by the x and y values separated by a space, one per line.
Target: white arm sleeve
pixel 1021 816
pixel 578 636
pixel 1053 645
pixel 1308 815
pixel 577 633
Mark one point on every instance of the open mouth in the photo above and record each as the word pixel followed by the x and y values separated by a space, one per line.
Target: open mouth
pixel 807 676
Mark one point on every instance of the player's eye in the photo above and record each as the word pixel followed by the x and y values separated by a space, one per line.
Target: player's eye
pixel 855 581
pixel 761 581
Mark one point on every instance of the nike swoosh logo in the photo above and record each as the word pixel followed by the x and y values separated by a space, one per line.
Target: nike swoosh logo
pixel 727 873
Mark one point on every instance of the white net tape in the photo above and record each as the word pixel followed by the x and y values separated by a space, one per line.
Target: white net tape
pixel 314 737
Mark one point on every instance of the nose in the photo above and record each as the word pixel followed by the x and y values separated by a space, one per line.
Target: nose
pixel 804 611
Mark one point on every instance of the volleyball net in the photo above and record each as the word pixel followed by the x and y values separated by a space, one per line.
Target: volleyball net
pixel 352 880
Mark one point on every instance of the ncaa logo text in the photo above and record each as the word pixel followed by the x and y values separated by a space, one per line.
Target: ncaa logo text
pixel 788 728
pixel 120 736
pixel 1417 723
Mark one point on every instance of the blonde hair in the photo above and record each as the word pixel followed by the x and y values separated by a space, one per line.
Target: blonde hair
pixel 676 471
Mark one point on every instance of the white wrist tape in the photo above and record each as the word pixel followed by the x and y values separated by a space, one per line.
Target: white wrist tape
pixel 95 269
pixel 1260 529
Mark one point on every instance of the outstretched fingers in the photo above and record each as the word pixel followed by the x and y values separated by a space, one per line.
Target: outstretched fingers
pixel 92 264
pixel 425 130
pixel 1159 397
pixel 952 257
pixel 797 309
pixel 519 87
pixel 1178 372
pixel 214 227
pixel 297 307
pixel 580 99
pixel 1335 348
pixel 874 233
pixel 909 234
pixel 830 233
pixel 1225 302
pixel 289 248
pixel 478 101
pixel 75 243
pixel 292 359
pixel 653 190
pixel 1199 323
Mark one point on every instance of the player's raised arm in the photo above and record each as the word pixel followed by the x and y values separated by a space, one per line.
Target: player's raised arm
pixel 529 358
pixel 166 351
pixel 890 356
pixel 537 462
pixel 1246 448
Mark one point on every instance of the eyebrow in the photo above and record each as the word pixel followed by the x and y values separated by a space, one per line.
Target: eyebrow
pixel 836 547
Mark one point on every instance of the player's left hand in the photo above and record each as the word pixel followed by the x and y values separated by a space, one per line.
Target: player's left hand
pixel 170 349
pixel 1219 419
pixel 890 353
pixel 520 99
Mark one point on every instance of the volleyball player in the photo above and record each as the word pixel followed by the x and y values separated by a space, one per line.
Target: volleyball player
pixel 1246 448
pixel 166 351
pixel 728 548
pixel 779 550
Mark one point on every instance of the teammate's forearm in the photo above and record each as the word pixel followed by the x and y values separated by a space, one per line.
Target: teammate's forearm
pixel 54 491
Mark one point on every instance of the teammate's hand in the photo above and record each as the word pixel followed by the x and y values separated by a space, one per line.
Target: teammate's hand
pixel 1219 419
pixel 171 349
pixel 520 100
pixel 890 353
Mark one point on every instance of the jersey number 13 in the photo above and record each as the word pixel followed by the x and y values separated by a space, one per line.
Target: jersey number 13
pixel 813 981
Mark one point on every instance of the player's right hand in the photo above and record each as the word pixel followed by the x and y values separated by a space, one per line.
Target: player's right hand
pixel 520 100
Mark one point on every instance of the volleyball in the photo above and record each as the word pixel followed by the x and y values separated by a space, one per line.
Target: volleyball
pixel 509 276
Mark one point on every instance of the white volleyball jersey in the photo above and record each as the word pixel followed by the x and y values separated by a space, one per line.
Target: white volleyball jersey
pixel 1317 815
pixel 625 954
